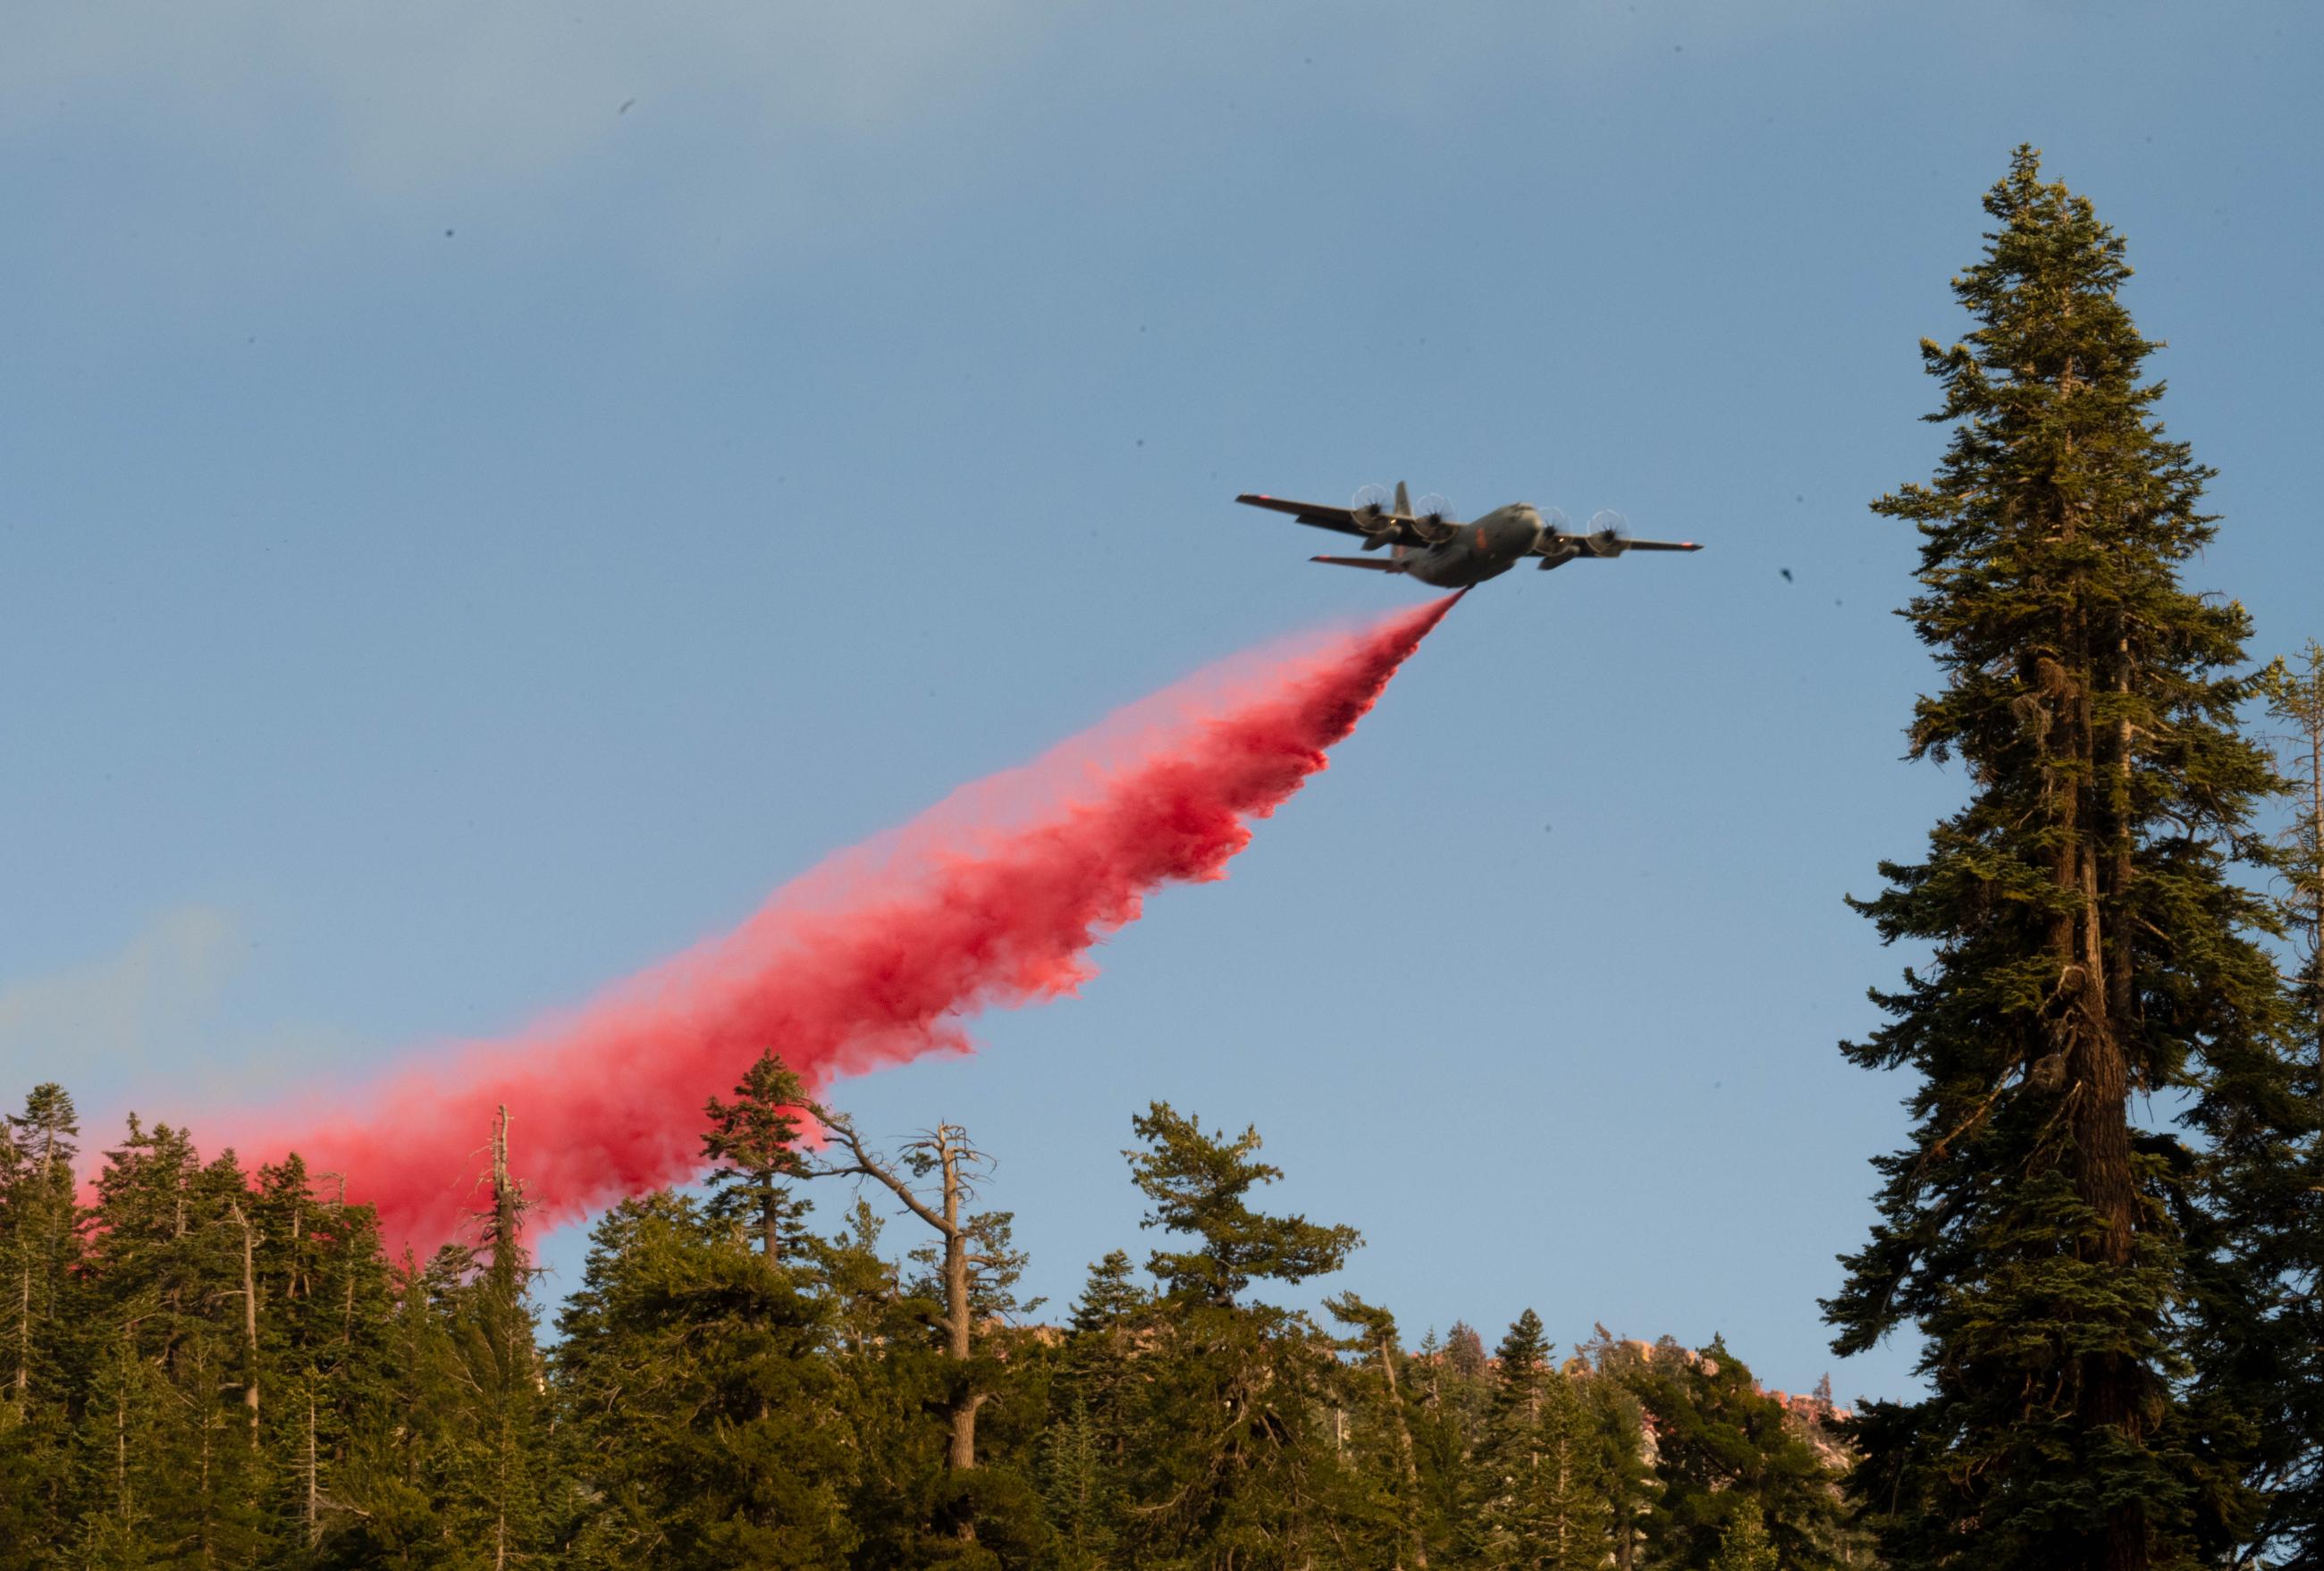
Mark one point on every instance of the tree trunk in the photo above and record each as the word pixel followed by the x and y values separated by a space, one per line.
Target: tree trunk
pixel 24 1337
pixel 2095 994
pixel 961 1457
pixel 507 1208
pixel 314 1504
pixel 948 1145
pixel 208 1528
pixel 249 1324
pixel 121 1446
pixel 1405 1453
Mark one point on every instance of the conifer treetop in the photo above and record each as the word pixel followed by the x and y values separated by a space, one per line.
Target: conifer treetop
pixel 1197 1184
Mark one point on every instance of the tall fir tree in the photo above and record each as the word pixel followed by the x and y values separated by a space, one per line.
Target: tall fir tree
pixel 1500 1507
pixel 408 1440
pixel 1545 1486
pixel 1198 1184
pixel 753 1146
pixel 2295 701
pixel 2278 1184
pixel 1091 1427
pixel 41 1252
pixel 2090 940
pixel 706 1414
pixel 1236 1459
pixel 168 1343
pixel 324 1285
pixel 488 1474
pixel 1734 1475
pixel 1386 1399
pixel 1625 1444
pixel 2264 1361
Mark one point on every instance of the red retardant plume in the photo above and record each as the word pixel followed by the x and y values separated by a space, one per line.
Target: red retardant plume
pixel 995 898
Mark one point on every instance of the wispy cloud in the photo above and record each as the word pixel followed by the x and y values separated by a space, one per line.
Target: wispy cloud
pixel 734 121
pixel 436 92
pixel 126 1010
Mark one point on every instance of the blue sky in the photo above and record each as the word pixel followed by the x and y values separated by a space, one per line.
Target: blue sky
pixel 486 494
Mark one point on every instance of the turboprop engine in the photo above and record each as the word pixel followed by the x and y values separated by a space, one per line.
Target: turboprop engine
pixel 1605 537
pixel 1371 511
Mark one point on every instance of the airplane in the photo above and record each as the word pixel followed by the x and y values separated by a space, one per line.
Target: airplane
pixel 1438 549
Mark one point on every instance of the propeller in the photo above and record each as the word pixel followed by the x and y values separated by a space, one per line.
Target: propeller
pixel 1607 528
pixel 1558 544
pixel 1371 511
pixel 1435 518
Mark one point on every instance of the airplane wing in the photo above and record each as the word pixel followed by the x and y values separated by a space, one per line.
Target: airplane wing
pixel 1564 548
pixel 1343 519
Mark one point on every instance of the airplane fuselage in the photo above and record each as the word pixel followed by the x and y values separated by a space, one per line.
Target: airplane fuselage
pixel 1485 549
pixel 1433 547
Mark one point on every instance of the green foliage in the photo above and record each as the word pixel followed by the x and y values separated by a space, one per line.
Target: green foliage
pixel 2295 690
pixel 1746 1547
pixel 41 1368
pixel 752 1144
pixel 1731 1468
pixel 225 1371
pixel 1220 1423
pixel 2091 941
pixel 709 1422
pixel 1383 1489
pixel 1544 1485
pixel 2260 1279
pixel 1196 1184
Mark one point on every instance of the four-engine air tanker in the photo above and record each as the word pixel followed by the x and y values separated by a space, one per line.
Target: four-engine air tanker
pixel 1439 549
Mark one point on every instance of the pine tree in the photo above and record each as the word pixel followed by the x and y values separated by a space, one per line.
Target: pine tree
pixel 407 1427
pixel 971 1272
pixel 708 1420
pixel 1234 1463
pixel 1092 1416
pixel 1466 1385
pixel 1745 1546
pixel 1618 1431
pixel 324 1284
pixel 120 1480
pixel 858 1281
pixel 40 1250
pixel 1727 1455
pixel 2295 697
pixel 1094 1366
pixel 226 1373
pixel 483 1484
pixel 169 1449
pixel 1108 1297
pixel 1197 1184
pixel 754 1143
pixel 893 1379
pixel 2263 1358
pixel 1078 1487
pixel 1543 1487
pixel 2091 941
pixel 1387 1400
